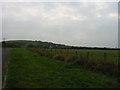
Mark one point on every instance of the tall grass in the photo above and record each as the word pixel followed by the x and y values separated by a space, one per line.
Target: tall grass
pixel 84 59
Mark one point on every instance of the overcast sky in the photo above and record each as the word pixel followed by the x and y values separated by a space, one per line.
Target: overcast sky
pixel 79 24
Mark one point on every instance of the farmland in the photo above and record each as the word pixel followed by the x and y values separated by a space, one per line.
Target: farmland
pixel 62 68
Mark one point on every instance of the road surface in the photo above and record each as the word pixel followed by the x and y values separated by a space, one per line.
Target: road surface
pixel 5 54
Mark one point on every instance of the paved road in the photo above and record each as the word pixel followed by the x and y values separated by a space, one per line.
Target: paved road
pixel 5 53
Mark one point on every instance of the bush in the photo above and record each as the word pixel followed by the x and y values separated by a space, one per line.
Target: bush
pixel 68 58
pixel 59 56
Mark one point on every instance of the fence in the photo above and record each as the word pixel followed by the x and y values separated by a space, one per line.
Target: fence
pixel 94 60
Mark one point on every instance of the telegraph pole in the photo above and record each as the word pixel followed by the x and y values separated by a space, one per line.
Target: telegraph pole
pixel 3 40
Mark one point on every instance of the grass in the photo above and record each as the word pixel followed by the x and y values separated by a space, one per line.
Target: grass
pixel 98 55
pixel 30 70
pixel 85 58
pixel 112 55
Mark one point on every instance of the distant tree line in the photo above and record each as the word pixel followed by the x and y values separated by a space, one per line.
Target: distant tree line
pixel 47 45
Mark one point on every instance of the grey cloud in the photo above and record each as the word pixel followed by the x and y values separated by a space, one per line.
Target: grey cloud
pixel 88 24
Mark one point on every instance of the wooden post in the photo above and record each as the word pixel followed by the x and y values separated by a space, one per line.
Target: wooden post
pixel 88 55
pixel 76 53
pixel 105 56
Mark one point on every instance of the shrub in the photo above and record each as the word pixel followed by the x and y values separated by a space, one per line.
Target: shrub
pixel 59 56
pixel 68 58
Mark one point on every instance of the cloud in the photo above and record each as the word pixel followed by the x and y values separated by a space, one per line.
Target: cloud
pixel 113 15
pixel 88 24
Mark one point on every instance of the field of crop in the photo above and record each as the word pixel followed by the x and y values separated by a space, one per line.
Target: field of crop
pixel 35 70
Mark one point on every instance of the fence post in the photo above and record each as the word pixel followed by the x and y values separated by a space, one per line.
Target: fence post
pixel 88 55
pixel 105 56
pixel 76 53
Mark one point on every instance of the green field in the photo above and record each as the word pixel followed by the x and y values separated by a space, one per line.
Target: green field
pixel 31 70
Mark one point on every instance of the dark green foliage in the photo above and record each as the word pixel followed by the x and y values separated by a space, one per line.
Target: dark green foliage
pixel 30 44
pixel 41 44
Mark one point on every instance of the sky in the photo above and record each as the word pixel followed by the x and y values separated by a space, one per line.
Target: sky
pixel 70 23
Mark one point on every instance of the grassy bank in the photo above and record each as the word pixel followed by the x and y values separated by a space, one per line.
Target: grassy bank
pixel 104 61
pixel 30 70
